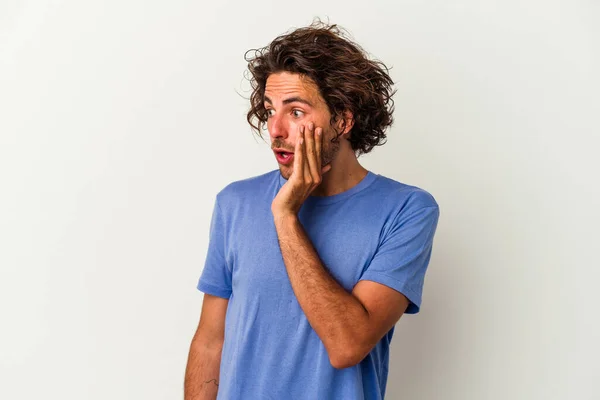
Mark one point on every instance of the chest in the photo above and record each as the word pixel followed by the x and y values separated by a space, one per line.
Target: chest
pixel 345 245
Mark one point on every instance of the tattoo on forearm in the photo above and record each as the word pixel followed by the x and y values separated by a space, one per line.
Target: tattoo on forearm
pixel 212 380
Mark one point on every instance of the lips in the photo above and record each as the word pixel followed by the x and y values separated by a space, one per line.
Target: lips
pixel 284 157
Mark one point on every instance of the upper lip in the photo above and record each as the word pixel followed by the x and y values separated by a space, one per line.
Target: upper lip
pixel 282 151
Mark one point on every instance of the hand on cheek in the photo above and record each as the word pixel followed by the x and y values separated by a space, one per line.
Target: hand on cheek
pixel 307 173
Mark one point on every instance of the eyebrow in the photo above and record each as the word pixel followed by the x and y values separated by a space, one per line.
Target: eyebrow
pixel 295 99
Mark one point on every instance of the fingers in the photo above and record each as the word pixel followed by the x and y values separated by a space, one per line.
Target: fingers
pixel 318 146
pixel 299 155
pixel 312 171
pixel 307 159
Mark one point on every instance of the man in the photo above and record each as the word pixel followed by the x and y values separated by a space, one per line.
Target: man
pixel 310 266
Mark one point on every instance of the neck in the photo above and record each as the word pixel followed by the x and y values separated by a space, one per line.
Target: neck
pixel 345 173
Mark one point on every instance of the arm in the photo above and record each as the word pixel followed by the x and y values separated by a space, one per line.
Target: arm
pixel 204 358
pixel 349 324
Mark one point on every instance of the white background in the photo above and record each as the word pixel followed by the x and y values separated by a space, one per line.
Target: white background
pixel 121 120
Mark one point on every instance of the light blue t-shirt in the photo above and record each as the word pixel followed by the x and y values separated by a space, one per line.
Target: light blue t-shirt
pixel 379 230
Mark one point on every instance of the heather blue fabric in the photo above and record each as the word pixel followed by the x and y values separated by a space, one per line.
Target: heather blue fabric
pixel 379 230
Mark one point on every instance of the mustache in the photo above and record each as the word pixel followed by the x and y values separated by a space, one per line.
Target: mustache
pixel 277 144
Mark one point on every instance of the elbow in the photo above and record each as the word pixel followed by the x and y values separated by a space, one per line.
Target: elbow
pixel 346 358
pixel 348 349
pixel 203 345
pixel 341 363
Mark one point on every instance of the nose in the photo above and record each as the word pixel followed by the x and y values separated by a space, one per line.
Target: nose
pixel 277 127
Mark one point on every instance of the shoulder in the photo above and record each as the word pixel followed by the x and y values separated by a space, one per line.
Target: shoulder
pixel 403 198
pixel 248 188
pixel 405 209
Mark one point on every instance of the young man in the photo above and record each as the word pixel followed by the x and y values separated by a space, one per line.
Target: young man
pixel 310 266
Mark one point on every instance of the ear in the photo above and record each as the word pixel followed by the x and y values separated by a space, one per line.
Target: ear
pixel 349 119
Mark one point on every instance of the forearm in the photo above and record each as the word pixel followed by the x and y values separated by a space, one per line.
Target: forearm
pixel 337 316
pixel 202 372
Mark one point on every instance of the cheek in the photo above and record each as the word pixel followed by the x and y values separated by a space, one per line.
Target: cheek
pixel 286 125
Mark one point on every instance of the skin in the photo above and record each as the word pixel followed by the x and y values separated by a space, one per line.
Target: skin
pixel 285 121
pixel 349 324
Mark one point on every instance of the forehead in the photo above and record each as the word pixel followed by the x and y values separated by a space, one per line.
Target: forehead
pixel 282 85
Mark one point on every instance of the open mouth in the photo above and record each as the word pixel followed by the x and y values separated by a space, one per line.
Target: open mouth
pixel 284 157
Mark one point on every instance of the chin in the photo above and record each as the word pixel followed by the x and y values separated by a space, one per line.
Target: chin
pixel 285 172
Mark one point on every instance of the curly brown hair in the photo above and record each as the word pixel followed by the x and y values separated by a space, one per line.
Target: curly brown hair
pixel 346 78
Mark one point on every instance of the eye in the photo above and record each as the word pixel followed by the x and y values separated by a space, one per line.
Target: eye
pixel 297 113
pixel 269 113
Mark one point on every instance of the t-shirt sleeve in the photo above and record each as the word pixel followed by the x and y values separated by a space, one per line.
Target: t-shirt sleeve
pixel 403 255
pixel 216 275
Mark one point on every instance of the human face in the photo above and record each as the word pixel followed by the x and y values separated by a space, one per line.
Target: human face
pixel 293 101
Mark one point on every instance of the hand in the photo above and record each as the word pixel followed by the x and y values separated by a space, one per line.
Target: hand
pixel 306 175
